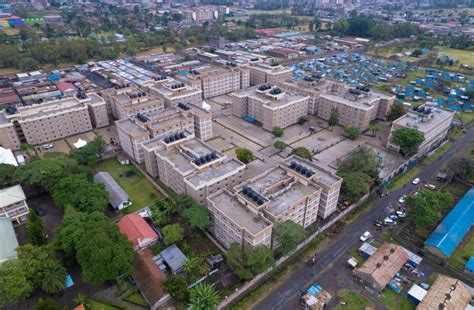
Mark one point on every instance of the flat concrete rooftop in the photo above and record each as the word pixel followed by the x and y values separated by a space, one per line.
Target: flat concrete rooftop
pixel 291 195
pixel 242 216
pixel 365 102
pixel 322 175
pixel 412 119
pixel 211 174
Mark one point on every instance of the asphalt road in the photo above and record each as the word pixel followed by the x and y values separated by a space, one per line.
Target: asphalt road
pixel 285 296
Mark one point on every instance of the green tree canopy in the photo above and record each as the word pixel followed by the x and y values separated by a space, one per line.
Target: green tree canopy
pixel 355 185
pixel 352 132
pixel 172 234
pixel 53 277
pixel 103 252
pixel 249 261
pixel 35 229
pixel 280 145
pixel 197 216
pixel 333 117
pixel 14 283
pixel 363 160
pixel 7 175
pixel 302 152
pixel 86 155
pixel 278 131
pixel 303 119
pixel 203 297
pixel 244 155
pixel 462 167
pixel 396 111
pixel 426 208
pixel 177 287
pixel 77 191
pixel 47 304
pixel 289 235
pixel 409 139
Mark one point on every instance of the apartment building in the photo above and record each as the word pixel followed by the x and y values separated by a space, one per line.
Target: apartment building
pixel 271 73
pixel 135 130
pixel 52 120
pixel 128 100
pixel 201 13
pixel 13 204
pixel 216 81
pixel 356 107
pixel 232 222
pixel 311 87
pixel 174 92
pixel 433 122
pixel 270 106
pixel 189 166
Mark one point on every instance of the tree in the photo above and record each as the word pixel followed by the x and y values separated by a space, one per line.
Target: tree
pixel 248 261
pixel 244 155
pixel 352 132
pixel 7 175
pixel 303 119
pixel 53 277
pixel 396 111
pixel 14 283
pixel 355 185
pixel 280 145
pixel 86 155
pixel 197 216
pixel 364 160
pixel 203 297
pixel 373 128
pixel 103 252
pixel 190 264
pixel 47 304
pixel 289 235
pixel 77 191
pixel 341 26
pixel 177 287
pixel 172 234
pixel 159 217
pixel 35 230
pixel 409 139
pixel 278 131
pixel 333 118
pixel 183 202
pixel 425 209
pixel 28 64
pixel 302 152
pixel 462 168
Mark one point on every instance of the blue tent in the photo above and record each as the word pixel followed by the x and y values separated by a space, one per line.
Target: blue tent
pixel 450 232
pixel 470 264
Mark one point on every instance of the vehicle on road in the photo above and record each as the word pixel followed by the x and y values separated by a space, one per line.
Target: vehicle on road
pixel 388 221
pixel 47 146
pixel 40 211
pixel 401 213
pixel 430 186
pixel 365 236
pixel 402 199
pixel 393 216
pixel 415 181
pixel 378 223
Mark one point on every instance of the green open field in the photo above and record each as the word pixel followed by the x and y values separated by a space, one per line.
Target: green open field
pixel 140 190
pixel 394 301
pixel 353 300
pixel 464 57
pixel 97 305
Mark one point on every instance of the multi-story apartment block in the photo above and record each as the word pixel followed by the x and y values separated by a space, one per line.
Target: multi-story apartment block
pixel 174 92
pixel 216 81
pixel 269 73
pixel 233 222
pixel 201 13
pixel 311 87
pixel 296 190
pixel 356 107
pixel 188 166
pixel 128 100
pixel 135 130
pixel 270 106
pixel 433 122
pixel 13 204
pixel 52 120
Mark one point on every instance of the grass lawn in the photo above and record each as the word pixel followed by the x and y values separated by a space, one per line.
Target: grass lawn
pixel 97 305
pixel 353 300
pixel 9 71
pixel 137 299
pixel 396 301
pixel 466 117
pixel 401 180
pixel 464 57
pixel 140 190
pixel 463 252
pixel 440 151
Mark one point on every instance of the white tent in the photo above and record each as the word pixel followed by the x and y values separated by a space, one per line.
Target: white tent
pixel 7 157
pixel 80 143
pixel 206 106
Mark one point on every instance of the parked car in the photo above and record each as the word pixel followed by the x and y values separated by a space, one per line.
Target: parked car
pixel 402 199
pixel 415 181
pixel 388 221
pixel 401 213
pixel 40 211
pixel 393 216
pixel 365 236
pixel 378 223
pixel 430 186
pixel 47 146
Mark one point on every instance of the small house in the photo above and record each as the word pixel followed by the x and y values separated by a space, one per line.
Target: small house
pixel 118 198
pixel 173 258
pixel 137 231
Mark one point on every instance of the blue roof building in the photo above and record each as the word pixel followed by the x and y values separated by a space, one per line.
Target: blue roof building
pixel 450 232
pixel 470 264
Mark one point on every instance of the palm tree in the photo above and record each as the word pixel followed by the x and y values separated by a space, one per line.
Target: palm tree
pixel 373 128
pixel 53 278
pixel 203 297
pixel 190 264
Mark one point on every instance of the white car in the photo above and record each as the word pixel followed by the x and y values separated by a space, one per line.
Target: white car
pixel 401 213
pixel 415 181
pixel 47 146
pixel 388 221
pixel 430 186
pixel 365 236
pixel 402 199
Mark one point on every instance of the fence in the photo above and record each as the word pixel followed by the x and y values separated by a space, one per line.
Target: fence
pixel 260 278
